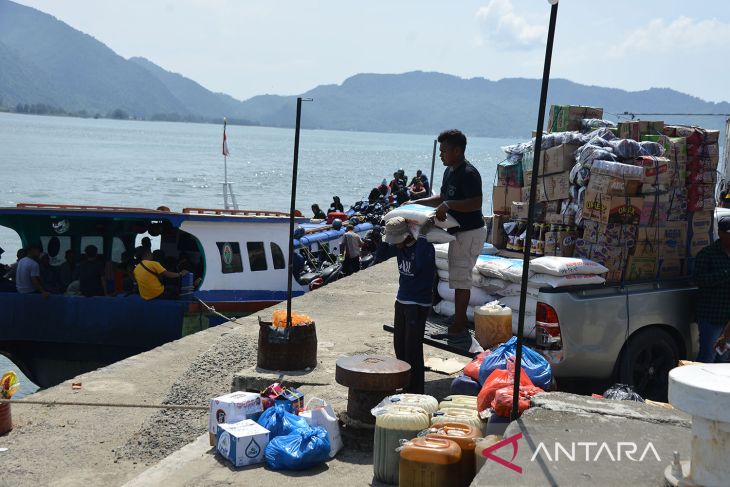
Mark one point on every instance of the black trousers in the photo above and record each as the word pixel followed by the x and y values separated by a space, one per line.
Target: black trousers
pixel 350 266
pixel 410 324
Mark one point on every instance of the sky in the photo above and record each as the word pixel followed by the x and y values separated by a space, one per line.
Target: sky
pixel 246 48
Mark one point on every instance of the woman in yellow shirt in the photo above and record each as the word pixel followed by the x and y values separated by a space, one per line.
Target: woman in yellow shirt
pixel 148 274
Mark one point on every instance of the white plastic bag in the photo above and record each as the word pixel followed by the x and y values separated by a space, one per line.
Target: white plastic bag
pixel 442 264
pixel 442 250
pixel 443 274
pixel 323 415
pixel 448 308
pixel 514 303
pixel 541 280
pixel 515 289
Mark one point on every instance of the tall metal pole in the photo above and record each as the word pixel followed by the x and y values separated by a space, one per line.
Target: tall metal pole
pixel 433 164
pixel 295 166
pixel 531 209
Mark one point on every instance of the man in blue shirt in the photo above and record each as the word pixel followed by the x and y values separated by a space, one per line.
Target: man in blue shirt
pixel 417 267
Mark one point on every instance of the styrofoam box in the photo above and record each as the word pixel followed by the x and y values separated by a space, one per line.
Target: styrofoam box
pixel 242 443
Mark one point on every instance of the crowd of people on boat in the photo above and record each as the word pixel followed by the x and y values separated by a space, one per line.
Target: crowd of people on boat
pixel 151 274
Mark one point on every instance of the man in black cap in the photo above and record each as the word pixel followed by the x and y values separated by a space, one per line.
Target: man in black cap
pixel 712 276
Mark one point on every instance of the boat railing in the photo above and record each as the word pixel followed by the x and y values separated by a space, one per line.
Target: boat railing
pixel 84 207
pixel 219 211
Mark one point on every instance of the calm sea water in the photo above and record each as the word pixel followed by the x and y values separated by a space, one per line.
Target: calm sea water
pixel 148 164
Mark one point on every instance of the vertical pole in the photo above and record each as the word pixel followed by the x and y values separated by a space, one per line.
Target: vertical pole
pixel 531 209
pixel 291 213
pixel 433 164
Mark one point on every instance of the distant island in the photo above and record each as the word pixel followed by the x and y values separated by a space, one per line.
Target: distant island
pixel 86 78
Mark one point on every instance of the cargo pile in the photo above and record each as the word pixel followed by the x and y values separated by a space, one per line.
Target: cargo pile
pixel 637 198
pixel 274 426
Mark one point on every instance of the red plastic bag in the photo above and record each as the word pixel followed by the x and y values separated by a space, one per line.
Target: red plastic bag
pixel 502 403
pixel 472 368
pixel 498 379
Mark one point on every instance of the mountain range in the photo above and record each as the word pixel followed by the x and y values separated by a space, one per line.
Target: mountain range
pixel 50 67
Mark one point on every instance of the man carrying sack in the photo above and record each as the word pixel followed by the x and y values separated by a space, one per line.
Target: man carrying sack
pixel 460 197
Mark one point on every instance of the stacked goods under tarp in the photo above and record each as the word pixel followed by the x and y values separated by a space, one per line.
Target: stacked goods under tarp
pixel 637 198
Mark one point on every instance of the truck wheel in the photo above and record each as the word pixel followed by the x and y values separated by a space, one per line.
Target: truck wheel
pixel 645 363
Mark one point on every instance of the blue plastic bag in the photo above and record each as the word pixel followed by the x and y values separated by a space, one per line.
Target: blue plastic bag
pixel 279 421
pixel 537 368
pixel 303 448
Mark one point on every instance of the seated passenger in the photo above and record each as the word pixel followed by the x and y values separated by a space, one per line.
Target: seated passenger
pixel 149 275
pixel 49 275
pixel 417 190
pixel 68 271
pixel 318 213
pixel 28 272
pixel 92 281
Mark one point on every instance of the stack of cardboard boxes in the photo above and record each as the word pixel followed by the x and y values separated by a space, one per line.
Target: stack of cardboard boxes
pixel 644 218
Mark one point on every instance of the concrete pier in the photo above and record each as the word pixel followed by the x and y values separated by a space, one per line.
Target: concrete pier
pixel 69 446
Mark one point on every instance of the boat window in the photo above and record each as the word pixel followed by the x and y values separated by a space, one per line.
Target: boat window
pixel 56 248
pixel 256 256
pixel 97 242
pixel 278 256
pixel 230 257
pixel 118 249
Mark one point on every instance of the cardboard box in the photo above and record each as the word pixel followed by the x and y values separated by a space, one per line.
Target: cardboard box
pixel 654 210
pixel 242 443
pixel 613 257
pixel 566 243
pixel 564 118
pixel 496 234
pixel 551 242
pixel 509 173
pixel 232 408
pixel 640 268
pixel 520 211
pixel 700 197
pixel 614 185
pixel 674 245
pixel 694 135
pixel 675 148
pixel 635 129
pixel 671 268
pixel 553 187
pixel 614 234
pixel 698 243
pixel 612 209
pixel 556 159
pixel 292 399
pixel 559 219
pixel 702 224
pixel 657 170
pixel 502 198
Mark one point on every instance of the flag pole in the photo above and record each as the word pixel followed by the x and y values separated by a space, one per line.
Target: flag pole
pixel 531 207
pixel 225 166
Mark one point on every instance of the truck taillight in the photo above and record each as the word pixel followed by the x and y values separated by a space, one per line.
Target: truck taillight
pixel 547 328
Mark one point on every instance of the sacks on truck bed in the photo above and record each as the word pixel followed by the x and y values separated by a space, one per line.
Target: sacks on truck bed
pixel 566 266
pixel 478 296
pixel 448 309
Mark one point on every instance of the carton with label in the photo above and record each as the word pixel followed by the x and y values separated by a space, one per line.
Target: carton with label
pixel 232 408
pixel 674 245
pixel 636 129
pixel 556 159
pixel 566 241
pixel 502 198
pixel 614 185
pixel 614 234
pixel 553 187
pixel 509 173
pixel 640 268
pixel 675 148
pixel 606 209
pixel 242 443
pixel 654 210
pixel 565 118
pixel 671 268
pixel 658 170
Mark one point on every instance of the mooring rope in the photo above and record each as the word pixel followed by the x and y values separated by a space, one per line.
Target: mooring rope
pixel 104 404
pixel 220 315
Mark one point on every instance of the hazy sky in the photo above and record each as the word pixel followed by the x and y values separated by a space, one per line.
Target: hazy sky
pixel 246 48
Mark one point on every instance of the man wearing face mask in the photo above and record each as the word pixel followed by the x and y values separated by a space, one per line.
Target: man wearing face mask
pixel 460 197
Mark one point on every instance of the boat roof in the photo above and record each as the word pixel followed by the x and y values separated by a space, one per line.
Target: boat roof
pixel 162 213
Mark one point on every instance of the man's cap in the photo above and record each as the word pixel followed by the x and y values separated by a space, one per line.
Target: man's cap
pixel 396 230
pixel 723 224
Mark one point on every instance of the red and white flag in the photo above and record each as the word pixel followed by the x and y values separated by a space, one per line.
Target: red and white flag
pixel 225 143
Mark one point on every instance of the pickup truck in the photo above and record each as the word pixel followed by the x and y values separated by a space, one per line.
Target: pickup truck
pixel 633 334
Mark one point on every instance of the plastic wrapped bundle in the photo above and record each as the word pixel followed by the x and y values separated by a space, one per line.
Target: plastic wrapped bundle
pixel 651 149
pixel 601 133
pixel 591 124
pixel 589 153
pixel 580 175
pixel 618 169
pixel 626 148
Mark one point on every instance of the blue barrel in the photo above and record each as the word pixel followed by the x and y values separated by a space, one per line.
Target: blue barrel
pixel 187 285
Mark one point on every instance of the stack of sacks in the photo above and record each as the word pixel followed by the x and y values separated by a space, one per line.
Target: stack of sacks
pixel 549 271
pixel 417 215
pixel 480 292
